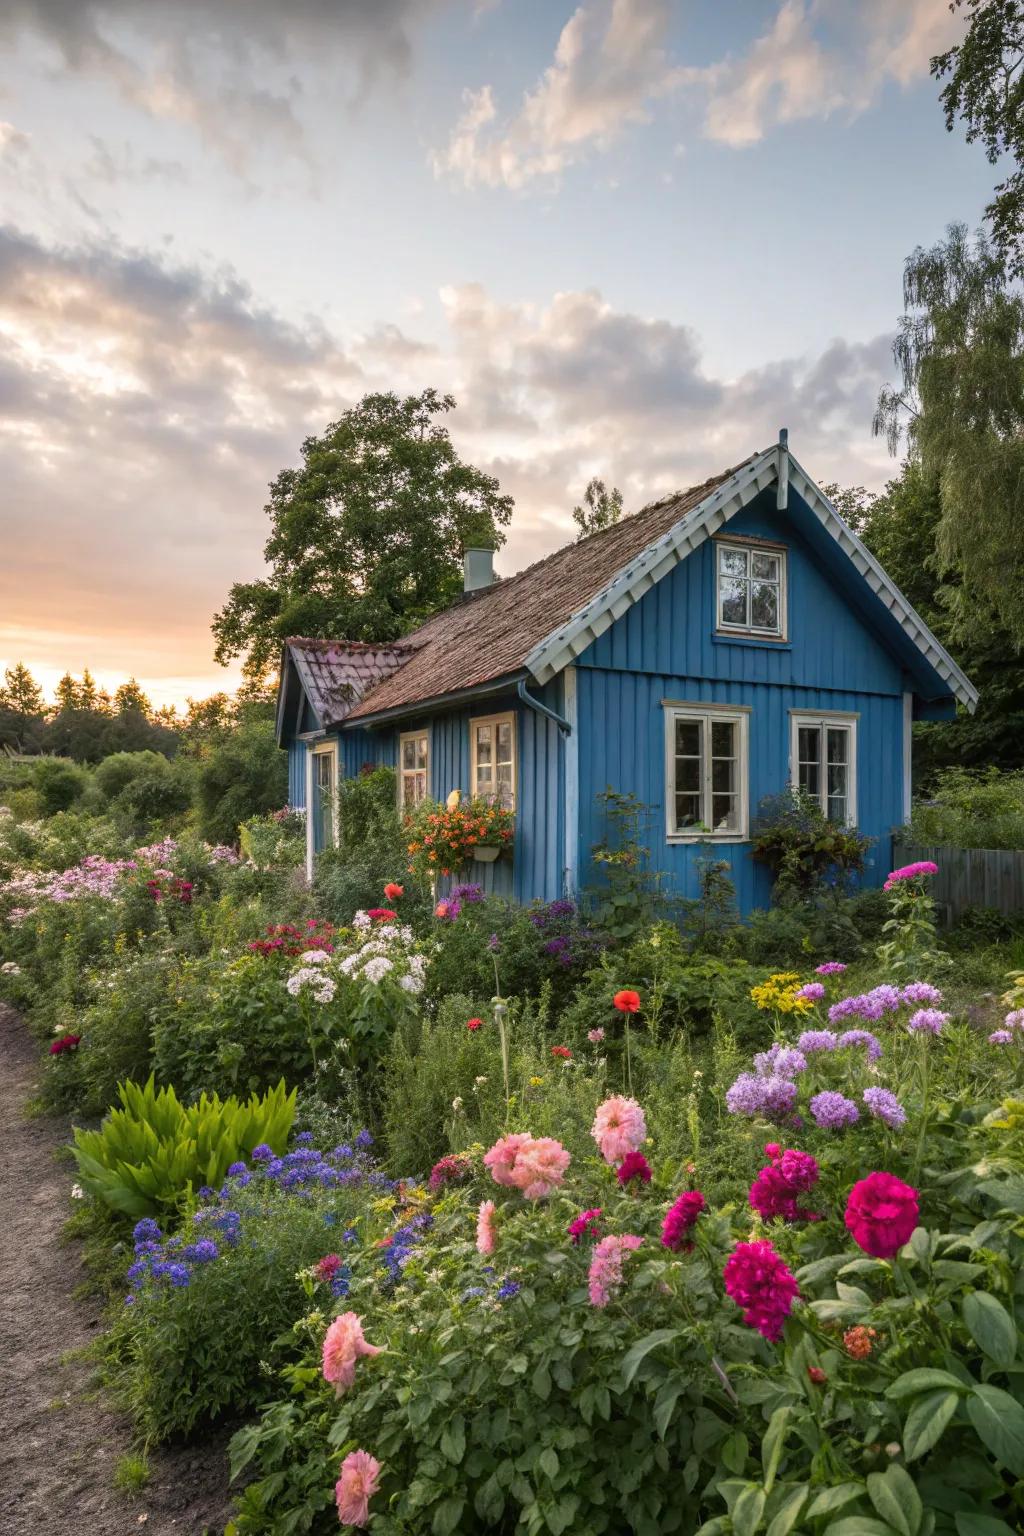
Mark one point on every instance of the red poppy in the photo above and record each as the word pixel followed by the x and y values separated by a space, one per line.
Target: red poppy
pixel 473 1024
pixel 627 1002
pixel 382 914
pixel 393 891
pixel 563 1051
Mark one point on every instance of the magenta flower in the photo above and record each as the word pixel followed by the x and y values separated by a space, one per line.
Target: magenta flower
pixel 680 1220
pixel 910 872
pixel 634 1166
pixel 759 1281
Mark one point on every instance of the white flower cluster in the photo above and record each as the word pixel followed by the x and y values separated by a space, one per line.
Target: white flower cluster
pixel 321 986
pixel 10 968
pixel 388 952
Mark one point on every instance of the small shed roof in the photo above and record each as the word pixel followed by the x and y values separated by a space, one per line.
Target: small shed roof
pixel 336 674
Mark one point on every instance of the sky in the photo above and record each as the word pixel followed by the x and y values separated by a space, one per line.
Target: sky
pixel 633 238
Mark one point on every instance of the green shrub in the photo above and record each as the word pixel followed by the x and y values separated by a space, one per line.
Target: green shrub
pixel 153 1151
pixel 971 809
pixel 371 852
pixel 113 775
pixel 242 775
pixel 495 946
pixel 58 784
pixel 801 847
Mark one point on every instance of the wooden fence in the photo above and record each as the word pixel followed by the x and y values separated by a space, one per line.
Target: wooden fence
pixel 972 877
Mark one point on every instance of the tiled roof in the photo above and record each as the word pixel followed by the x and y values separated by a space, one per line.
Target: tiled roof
pixel 489 634
pixel 337 674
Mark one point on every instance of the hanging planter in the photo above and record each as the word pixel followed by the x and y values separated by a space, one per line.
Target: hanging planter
pixel 444 839
pixel 486 853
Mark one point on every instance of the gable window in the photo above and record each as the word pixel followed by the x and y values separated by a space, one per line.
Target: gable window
pixel 751 589
pixel 706 771
pixel 413 768
pixel 492 759
pixel 823 763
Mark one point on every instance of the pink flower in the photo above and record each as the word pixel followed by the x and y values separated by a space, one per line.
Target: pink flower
pixel 910 872
pixel 759 1281
pixel 502 1157
pixel 595 1036
pixel 680 1219
pixel 775 1190
pixel 534 1167
pixel 343 1345
pixel 830 968
pixel 605 1274
pixel 585 1225
pixel 359 1481
pixel 540 1167
pixel 634 1166
pixel 881 1213
pixel 486 1228
pixel 619 1128
pixel 813 991
pixel 327 1268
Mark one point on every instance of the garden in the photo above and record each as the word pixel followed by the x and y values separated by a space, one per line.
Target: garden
pixel 597 1216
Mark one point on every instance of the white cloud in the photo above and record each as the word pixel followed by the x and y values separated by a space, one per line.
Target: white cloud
pixel 610 65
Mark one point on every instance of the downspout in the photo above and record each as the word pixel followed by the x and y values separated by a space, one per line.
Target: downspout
pixel 541 709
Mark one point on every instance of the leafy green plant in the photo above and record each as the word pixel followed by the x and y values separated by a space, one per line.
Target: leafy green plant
pixel 153 1151
pixel 628 895
pixel 801 847
pixel 970 809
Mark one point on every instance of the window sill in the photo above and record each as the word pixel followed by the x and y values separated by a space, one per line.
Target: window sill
pixel 691 838
pixel 718 638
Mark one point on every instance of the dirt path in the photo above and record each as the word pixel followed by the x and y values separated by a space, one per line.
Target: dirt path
pixel 59 1441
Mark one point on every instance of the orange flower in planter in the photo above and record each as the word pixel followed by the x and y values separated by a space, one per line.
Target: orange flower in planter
pixel 627 1002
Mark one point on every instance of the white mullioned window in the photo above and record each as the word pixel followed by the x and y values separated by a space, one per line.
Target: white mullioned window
pixel 750 588
pixel 492 759
pixel 823 762
pixel 413 768
pixel 706 772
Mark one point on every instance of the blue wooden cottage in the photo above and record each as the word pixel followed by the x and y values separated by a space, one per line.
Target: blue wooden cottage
pixel 703 654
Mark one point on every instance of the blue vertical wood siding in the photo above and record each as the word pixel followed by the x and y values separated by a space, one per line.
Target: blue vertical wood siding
pixel 297 774
pixel 665 648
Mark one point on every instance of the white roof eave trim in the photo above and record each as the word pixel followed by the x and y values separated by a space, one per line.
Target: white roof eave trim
pixel 560 648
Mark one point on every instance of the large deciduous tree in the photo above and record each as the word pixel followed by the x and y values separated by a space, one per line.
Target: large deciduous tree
pixel 367 535
pixel 960 408
pixel 984 89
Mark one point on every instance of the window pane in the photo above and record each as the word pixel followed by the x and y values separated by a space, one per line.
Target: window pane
pixel 836 809
pixel 323 769
pixel 723 775
pixel 722 738
pixel 687 810
pixel 764 605
pixel 838 742
pixel 734 601
pixel 809 744
pixel 408 754
pixel 505 741
pixel 483 744
pixel 765 566
pixel 837 780
pixel 688 733
pixel 724 813
pixel 732 562
pixel 688 774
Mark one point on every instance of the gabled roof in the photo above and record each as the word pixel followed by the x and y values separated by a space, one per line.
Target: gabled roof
pixel 336 674
pixel 534 624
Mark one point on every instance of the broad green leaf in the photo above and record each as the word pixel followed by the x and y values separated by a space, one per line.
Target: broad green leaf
pixel 924 1379
pixel 991 1327
pixel 821 1269
pixel 635 1356
pixel 734 1452
pixel 1008 1193
pixel 998 1420
pixel 447 1515
pixel 980 1525
pixel 453 1439
pixel 926 1421
pixel 829 1500
pixel 665 1406
pixel 788 1512
pixel 859 1525
pixel 548 1462
pixel 748 1511
pixel 771 1445
pixel 896 1499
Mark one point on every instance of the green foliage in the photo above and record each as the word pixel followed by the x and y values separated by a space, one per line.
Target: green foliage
pixel 971 809
pixel 367 535
pixel 801 847
pixel 131 1473
pixel 241 776
pixel 153 1151
pixel 371 850
pixel 628 895
pixel 59 784
pixel 601 508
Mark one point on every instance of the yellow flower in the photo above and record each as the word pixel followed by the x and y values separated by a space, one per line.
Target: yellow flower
pixel 535 1082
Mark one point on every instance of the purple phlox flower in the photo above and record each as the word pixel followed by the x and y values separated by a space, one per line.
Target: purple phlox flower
pixel 830 968
pixel 832 1110
pixel 1001 1037
pixel 814 991
pixel 927 1021
pixel 1015 1019
pixel 467 894
pixel 494 943
pixel 863 1037
pixel 817 1040
pixel 920 992
pixel 780 1061
pixel 177 1274
pixel 884 1106
pixel 234 1169
pixel 772 1097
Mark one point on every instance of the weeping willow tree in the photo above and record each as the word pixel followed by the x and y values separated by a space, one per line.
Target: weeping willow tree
pixel 959 410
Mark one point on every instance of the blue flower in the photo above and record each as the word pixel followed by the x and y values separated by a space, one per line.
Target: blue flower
pixel 204 1192
pixel 147 1231
pixel 129 1301
pixel 177 1274
pixel 235 1169
pixel 473 1292
pixel 203 1252
pixel 262 1153
pixel 304 1139
pixel 364 1139
pixel 136 1272
pixel 340 1282
pixel 350 1235
pixel 342 1152
pixel 330 1219
pixel 509 1289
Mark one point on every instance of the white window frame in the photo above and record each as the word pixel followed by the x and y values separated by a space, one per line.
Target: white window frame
pixel 424 736
pixel 505 718
pixel 708 715
pixel 320 749
pixel 750 547
pixel 822 720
